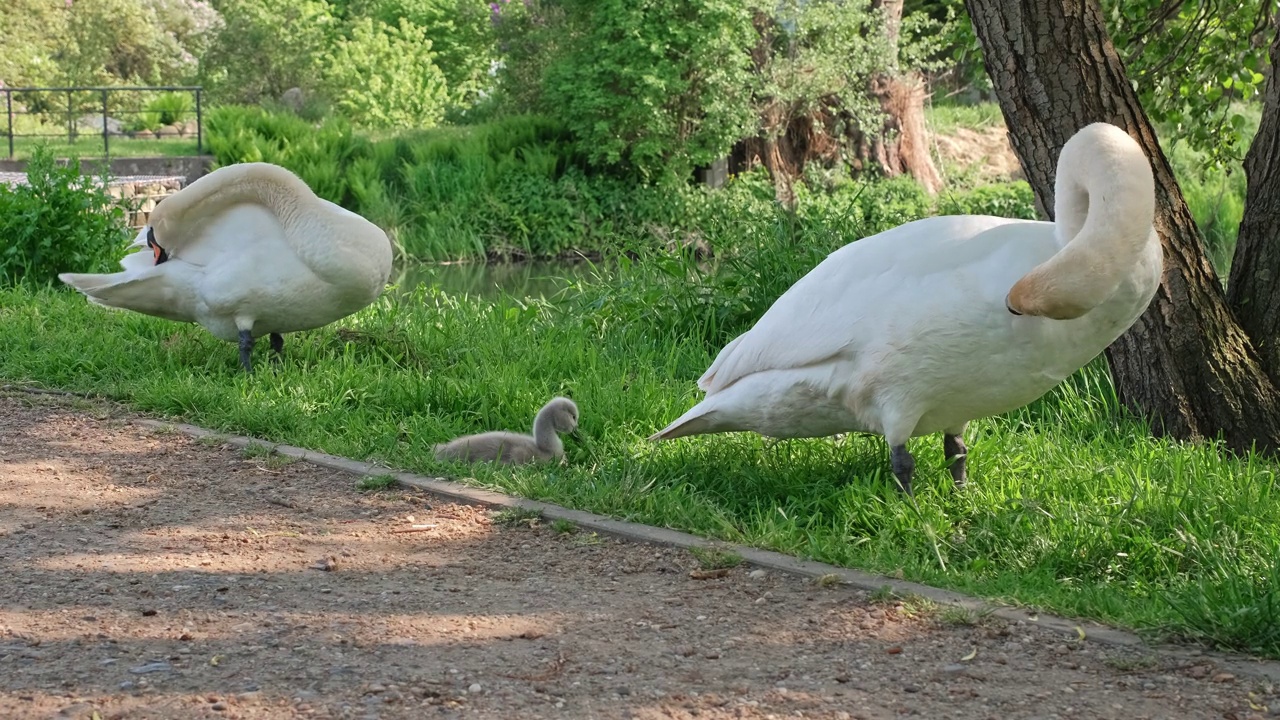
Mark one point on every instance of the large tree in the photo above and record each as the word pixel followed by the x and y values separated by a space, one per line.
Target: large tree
pixel 1187 364
pixel 902 145
pixel 1254 287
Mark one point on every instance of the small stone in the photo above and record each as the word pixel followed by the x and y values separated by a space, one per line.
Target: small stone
pixel 894 650
pixel 148 612
pixel 757 574
pixel 910 689
pixel 953 668
pixel 219 706
pixel 474 688
pixel 622 690
pixel 1224 677
pixel 78 710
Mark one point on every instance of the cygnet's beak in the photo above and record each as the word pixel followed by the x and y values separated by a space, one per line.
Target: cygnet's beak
pixel 576 435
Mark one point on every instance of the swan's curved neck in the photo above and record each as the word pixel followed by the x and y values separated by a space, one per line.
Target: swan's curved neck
pixel 273 187
pixel 1104 209
pixel 544 432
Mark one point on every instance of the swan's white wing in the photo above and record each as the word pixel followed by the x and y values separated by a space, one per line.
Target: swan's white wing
pixel 338 246
pixel 163 291
pixel 243 230
pixel 821 315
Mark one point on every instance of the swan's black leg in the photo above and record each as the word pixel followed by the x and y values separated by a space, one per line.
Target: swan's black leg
pixel 246 350
pixel 955 452
pixel 903 466
pixel 277 347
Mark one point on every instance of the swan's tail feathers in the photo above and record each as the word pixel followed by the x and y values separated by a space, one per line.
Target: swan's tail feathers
pixel 695 422
pixel 151 293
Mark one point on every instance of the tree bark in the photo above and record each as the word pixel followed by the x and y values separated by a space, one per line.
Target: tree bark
pixel 902 144
pixel 1255 269
pixel 1186 364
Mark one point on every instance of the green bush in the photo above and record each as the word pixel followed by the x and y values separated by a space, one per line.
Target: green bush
pixel 59 221
pixel 170 108
pixel 652 88
pixel 385 77
pixel 164 109
pixel 519 187
pixel 1215 195
pixel 1010 199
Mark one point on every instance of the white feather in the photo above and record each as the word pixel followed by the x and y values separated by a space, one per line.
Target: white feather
pixel 908 332
pixel 250 247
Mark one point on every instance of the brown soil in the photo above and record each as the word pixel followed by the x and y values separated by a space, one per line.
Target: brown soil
pixel 985 152
pixel 150 575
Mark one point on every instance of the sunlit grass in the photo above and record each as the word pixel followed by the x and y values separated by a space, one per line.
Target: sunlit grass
pixel 1071 507
pixel 88 147
pixel 948 117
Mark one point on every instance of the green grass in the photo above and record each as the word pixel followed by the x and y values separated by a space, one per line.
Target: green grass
pixel 88 147
pixel 713 558
pixel 376 482
pixel 1071 507
pixel 948 117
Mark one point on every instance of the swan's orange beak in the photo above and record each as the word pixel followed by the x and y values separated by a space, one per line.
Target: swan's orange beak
pixel 156 251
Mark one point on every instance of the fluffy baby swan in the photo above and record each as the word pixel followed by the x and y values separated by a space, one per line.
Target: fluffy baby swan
pixel 245 251
pixel 560 415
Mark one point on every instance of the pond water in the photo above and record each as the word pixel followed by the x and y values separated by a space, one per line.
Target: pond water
pixel 536 278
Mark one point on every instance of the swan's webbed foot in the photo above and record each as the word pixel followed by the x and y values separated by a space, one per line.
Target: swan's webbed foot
pixel 246 350
pixel 903 466
pixel 954 450
pixel 277 347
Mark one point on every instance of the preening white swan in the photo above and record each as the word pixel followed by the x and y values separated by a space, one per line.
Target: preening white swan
pixel 245 251
pixel 558 415
pixel 927 326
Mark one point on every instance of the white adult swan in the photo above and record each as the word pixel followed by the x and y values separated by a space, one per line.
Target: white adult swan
pixel 245 251
pixel 927 326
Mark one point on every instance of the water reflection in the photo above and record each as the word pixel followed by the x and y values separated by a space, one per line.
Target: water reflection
pixel 539 278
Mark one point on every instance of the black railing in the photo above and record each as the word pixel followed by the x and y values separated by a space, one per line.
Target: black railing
pixel 44 103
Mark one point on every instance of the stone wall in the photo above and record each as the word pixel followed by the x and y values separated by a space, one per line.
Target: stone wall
pixel 188 167
pixel 139 195
pixel 137 183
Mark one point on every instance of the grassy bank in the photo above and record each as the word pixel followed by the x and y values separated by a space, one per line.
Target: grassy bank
pixel 1071 507
pixel 516 188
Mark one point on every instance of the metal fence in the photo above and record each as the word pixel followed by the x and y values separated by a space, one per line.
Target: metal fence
pixel 89 111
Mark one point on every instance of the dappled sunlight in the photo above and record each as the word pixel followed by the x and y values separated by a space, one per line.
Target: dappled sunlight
pixel 206 629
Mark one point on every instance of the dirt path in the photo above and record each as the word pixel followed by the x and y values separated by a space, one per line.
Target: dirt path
pixel 149 575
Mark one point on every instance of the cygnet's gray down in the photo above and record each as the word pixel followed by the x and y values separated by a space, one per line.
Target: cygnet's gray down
pixel 557 416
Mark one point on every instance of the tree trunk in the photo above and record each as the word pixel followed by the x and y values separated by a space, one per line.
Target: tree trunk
pixel 1255 270
pixel 902 144
pixel 1186 364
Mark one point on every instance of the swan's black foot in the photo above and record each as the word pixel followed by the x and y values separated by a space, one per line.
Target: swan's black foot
pixel 955 452
pixel 903 466
pixel 246 350
pixel 277 347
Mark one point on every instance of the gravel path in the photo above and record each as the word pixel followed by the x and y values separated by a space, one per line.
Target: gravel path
pixel 153 576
